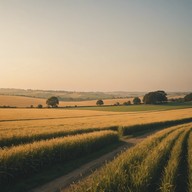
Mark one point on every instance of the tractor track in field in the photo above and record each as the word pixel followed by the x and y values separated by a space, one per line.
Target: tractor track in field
pixel 63 182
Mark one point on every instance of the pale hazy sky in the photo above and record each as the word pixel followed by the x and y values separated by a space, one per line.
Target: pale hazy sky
pixel 100 45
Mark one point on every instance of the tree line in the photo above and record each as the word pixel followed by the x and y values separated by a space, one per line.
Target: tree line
pixel 155 97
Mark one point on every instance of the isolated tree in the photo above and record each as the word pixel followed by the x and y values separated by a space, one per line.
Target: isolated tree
pixel 100 102
pixel 156 97
pixel 188 97
pixel 40 106
pixel 53 102
pixel 136 101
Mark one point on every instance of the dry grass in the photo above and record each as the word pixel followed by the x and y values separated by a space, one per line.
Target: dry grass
pixel 46 123
pixel 18 101
pixel 50 118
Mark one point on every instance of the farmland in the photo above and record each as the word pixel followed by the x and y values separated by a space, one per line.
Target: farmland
pixel 135 170
pixel 33 138
pixel 21 101
pixel 26 125
pixel 95 96
pixel 132 108
pixel 26 159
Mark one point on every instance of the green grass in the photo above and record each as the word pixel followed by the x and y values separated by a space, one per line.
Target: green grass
pixel 142 107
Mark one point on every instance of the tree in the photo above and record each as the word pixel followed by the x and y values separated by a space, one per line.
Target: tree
pixel 40 106
pixel 100 102
pixel 136 101
pixel 188 97
pixel 53 102
pixel 156 97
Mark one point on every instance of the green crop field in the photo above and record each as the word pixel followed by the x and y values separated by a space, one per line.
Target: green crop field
pixel 159 163
pixel 142 107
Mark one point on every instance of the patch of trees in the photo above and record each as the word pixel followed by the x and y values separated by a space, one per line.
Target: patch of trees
pixel 156 97
pixel 52 102
pixel 100 102
pixel 188 97
pixel 117 104
pixel 177 100
pixel 127 103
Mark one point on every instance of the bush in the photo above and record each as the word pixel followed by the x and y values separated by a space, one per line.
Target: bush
pixel 127 103
pixel 40 106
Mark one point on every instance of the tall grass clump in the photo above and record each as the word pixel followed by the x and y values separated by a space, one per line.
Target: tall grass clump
pixel 170 173
pixel 26 159
pixel 135 169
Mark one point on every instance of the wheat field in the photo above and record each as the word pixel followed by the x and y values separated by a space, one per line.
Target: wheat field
pixel 50 118
pixel 21 101
pixel 135 170
pixel 25 133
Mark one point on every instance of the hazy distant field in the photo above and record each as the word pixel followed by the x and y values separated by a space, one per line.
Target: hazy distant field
pixel 20 101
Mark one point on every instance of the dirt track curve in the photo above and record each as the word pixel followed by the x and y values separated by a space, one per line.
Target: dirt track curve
pixel 61 183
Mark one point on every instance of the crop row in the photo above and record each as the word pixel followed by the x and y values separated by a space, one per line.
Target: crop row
pixel 128 130
pixel 140 168
pixel 190 163
pixel 171 170
pixel 24 160
pixel 11 137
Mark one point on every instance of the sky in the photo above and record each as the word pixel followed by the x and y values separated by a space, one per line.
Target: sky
pixel 96 45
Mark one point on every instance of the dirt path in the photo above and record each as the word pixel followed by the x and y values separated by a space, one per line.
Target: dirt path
pixel 63 182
